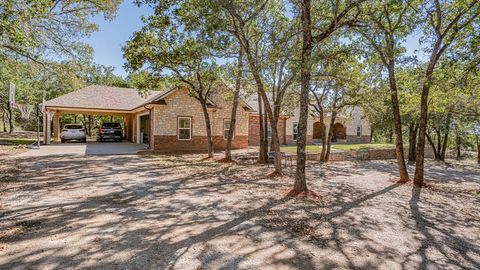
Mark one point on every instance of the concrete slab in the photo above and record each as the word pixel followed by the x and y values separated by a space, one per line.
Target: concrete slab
pixel 84 149
pixel 113 148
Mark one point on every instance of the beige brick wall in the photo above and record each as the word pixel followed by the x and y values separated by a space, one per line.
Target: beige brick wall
pixel 294 119
pixel 355 118
pixel 179 103
pixel 350 117
pixel 224 100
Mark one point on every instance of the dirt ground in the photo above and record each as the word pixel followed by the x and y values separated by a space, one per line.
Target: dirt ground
pixel 156 212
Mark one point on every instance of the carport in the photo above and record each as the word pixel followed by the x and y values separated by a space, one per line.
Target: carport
pixel 102 100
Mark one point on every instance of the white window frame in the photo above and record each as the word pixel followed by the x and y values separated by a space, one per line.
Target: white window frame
pixel 189 128
pixel 223 128
pixel 294 134
pixel 359 131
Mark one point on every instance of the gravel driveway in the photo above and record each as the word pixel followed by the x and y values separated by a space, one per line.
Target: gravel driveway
pixel 83 149
pixel 141 212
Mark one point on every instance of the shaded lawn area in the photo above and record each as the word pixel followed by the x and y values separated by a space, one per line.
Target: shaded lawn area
pixel 179 212
pixel 16 141
pixel 341 147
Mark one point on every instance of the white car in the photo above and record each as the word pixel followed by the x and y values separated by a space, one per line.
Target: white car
pixel 73 132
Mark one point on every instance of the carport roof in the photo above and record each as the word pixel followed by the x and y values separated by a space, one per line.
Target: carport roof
pixel 104 98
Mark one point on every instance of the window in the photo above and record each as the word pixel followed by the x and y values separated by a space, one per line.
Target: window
pixel 184 128
pixel 295 130
pixel 359 131
pixel 269 131
pixel 226 127
pixel 111 125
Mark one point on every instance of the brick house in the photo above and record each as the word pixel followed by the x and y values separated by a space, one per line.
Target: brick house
pixel 168 121
pixel 173 121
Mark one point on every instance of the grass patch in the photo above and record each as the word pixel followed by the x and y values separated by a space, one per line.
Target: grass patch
pixel 341 147
pixel 16 141
pixel 293 149
pixel 363 146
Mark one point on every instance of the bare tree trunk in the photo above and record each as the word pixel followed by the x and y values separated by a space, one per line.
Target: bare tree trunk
pixel 324 137
pixel 268 109
pixel 10 118
pixel 256 73
pixel 203 102
pixel 478 149
pixel 262 154
pixel 397 121
pixel 236 96
pixel 412 141
pixel 4 123
pixel 436 154
pixel 420 161
pixel 458 142
pixel 275 143
pixel 445 137
pixel 330 134
pixel 458 146
pixel 265 130
pixel 390 135
pixel 305 73
pixel 439 143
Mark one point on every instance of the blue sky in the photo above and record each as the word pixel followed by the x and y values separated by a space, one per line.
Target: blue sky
pixel 112 35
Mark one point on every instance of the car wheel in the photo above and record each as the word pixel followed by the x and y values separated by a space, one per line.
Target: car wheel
pixel 84 140
pixel 63 140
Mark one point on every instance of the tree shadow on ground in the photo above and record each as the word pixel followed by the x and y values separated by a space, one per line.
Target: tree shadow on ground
pixel 454 250
pixel 181 212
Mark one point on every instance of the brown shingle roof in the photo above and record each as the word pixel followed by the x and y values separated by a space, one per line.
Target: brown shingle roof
pixel 103 97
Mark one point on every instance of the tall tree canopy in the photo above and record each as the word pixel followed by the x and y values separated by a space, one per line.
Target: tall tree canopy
pixel 44 28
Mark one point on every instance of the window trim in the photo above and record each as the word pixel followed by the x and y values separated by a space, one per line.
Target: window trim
pixel 359 132
pixel 189 128
pixel 223 128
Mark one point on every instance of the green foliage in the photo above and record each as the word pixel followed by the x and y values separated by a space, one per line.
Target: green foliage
pixel 102 75
pixel 34 83
pixel 166 47
pixel 42 28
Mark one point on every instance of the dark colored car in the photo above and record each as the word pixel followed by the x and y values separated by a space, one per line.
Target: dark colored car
pixel 110 131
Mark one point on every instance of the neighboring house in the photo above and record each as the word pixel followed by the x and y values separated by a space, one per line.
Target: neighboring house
pixel 170 120
pixel 349 126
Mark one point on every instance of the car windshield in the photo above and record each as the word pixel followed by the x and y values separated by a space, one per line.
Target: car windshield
pixel 73 127
pixel 111 125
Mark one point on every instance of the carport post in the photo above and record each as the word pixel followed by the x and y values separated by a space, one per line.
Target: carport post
pixel 56 126
pixel 127 122
pixel 47 127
